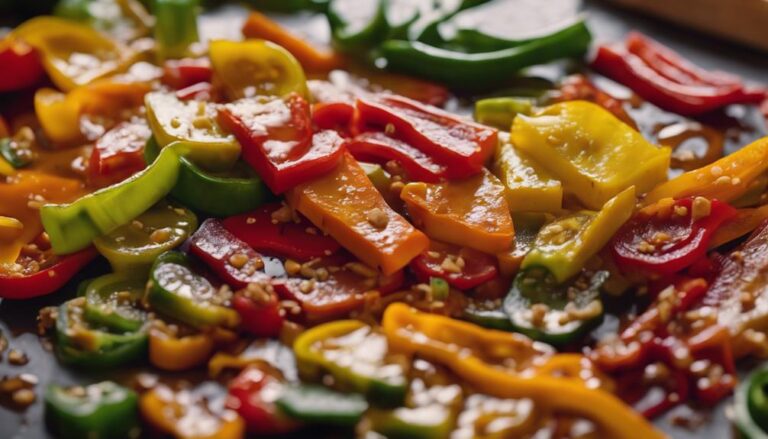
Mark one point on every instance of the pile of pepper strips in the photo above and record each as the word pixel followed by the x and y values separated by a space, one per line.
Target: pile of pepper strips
pixel 226 132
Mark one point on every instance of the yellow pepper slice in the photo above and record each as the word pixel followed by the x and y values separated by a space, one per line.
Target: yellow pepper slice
pixel 256 67
pixel 5 168
pixel 10 229
pixel 169 352
pixel 726 179
pixel 346 205
pixel 746 221
pixel 564 246
pixel 59 116
pixel 194 123
pixel 471 212
pixel 529 187
pixel 442 339
pixel 73 54
pixel 594 154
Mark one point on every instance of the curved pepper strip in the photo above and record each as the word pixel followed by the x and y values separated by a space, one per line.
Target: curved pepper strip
pixel 380 148
pixel 411 331
pixel 111 301
pixel 176 353
pixel 357 25
pixel 745 221
pixel 72 227
pixel 252 394
pixel 47 280
pixel 751 405
pixel 118 154
pixel 726 179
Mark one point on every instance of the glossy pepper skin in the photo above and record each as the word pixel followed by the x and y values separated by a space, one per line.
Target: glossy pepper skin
pixel 751 405
pixel 252 395
pixel 22 65
pixel 556 137
pixel 173 352
pixel 461 146
pixel 47 280
pixel 357 25
pixel 102 411
pixel 111 302
pixel 435 338
pixel 268 125
pixel 72 227
pixel 471 212
pixel 118 154
pixel 482 70
pixel 380 148
pixel 341 204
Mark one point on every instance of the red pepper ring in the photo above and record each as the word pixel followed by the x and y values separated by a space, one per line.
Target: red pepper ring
pixel 47 280
pixel 478 267
pixel 380 148
pixel 666 238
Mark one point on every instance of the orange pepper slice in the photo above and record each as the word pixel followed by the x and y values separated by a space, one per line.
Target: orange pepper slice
pixel 168 352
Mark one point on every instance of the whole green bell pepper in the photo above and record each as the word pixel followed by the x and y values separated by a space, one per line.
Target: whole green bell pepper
pixel 72 227
pixel 111 301
pixel 219 194
pixel 80 343
pixel 100 411
pixel 178 292
pixel 482 70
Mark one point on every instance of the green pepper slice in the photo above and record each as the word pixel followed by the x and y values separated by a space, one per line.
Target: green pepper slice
pixel 14 153
pixel 219 194
pixel 751 405
pixel 544 310
pixel 500 112
pixel 319 405
pixel 175 27
pixel 82 344
pixel 357 25
pixel 178 292
pixel 111 301
pixel 355 355
pixel 100 411
pixel 72 227
pixel 133 247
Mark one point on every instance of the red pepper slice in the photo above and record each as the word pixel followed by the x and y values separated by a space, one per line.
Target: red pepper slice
pixel 47 280
pixel 278 143
pixel 259 311
pixel 381 148
pixel 462 146
pixel 201 91
pixel 21 63
pixel 294 238
pixel 119 153
pixel 182 73
pixel 333 116
pixel 666 238
pixel 251 395
pixel 234 261
pixel 627 68
pixel 478 267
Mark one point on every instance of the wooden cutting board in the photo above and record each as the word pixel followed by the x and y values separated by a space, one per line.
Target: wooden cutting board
pixel 743 21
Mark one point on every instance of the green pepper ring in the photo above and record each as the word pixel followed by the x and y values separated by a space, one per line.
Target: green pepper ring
pixel 751 405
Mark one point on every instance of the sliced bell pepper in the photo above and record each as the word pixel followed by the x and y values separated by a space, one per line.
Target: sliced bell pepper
pixel 564 245
pixel 580 88
pixel 259 352
pixel 191 122
pixel 124 20
pixel 253 395
pixel 81 344
pixel 442 339
pixel 59 116
pixel 463 268
pixel 16 152
pixel 347 206
pixel 48 279
pixel 10 229
pixel 72 227
pixel 500 112
pixel 118 154
pixel 482 70
pixel 234 261
pixel 73 54
pixel 725 180
pixel 111 301
pixel 256 68
pixel 175 27
pixel 175 349
pixel 460 145
pixel 178 292
pixel 133 247
pixel 381 148
pixel 277 230
pixel 356 356
pixel 751 405
pixel 745 221
pixel 230 192
pixel 335 116
pixel 313 59
pixel 529 187
pixel 527 226
pixel 278 142
pixel 23 68
pixel 319 405
pixel 357 25
pixel 260 311
pixel 668 236
pixel 662 77
pixel 100 411
pixel 544 310
pixel 182 73
pixel 184 416
pixel 557 136
pixel 471 212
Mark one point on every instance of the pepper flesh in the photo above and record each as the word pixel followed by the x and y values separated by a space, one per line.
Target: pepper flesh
pixel 173 352
pixel 471 212
pixel 22 65
pixel 619 157
pixel 342 204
